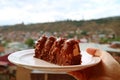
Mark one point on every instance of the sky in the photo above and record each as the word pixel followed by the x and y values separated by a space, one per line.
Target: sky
pixel 39 11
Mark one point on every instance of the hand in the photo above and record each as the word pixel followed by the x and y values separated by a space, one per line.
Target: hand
pixel 107 69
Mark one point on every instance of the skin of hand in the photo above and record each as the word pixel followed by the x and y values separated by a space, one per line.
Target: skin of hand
pixel 107 69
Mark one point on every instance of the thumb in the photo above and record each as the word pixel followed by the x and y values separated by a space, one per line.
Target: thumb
pixel 93 51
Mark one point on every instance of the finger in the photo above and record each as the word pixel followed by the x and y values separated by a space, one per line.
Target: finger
pixel 93 51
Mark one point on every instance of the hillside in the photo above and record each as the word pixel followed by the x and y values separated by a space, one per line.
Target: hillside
pixel 103 25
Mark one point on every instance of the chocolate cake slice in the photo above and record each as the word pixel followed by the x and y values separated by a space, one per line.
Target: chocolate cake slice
pixel 70 53
pixel 39 46
pixel 58 51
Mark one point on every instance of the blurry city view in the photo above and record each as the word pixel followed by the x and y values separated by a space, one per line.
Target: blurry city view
pixel 104 32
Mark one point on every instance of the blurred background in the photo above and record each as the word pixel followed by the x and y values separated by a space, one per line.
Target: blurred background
pixel 22 22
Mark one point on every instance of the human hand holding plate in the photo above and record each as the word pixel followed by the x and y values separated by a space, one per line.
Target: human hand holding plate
pixel 107 69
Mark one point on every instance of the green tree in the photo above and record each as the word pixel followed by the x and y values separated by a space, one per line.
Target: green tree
pixel 29 42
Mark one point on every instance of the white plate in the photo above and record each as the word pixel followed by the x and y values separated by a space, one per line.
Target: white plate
pixel 25 59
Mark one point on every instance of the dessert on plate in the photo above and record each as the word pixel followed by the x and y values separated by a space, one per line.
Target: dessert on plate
pixel 58 51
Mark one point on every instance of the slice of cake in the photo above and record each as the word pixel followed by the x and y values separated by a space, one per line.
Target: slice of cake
pixel 70 53
pixel 54 53
pixel 58 51
pixel 39 46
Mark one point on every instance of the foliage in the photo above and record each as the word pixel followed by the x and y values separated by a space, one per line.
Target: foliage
pixel 108 40
pixel 29 42
pixel 103 40
pixel 84 33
